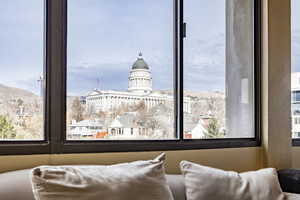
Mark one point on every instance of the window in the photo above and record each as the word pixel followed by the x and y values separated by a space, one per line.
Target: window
pixel 295 95
pixel 138 75
pixel 21 70
pixel 295 84
pixel 121 90
pixel 218 70
pixel 120 75
pixel 297 120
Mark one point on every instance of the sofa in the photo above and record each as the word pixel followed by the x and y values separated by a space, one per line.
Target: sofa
pixel 16 185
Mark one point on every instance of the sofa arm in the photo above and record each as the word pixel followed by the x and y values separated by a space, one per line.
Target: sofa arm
pixel 289 180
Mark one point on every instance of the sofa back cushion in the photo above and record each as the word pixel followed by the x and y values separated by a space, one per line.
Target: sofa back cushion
pixel 290 180
pixel 176 184
pixel 16 185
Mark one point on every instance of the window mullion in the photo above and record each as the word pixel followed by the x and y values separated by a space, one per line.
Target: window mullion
pixel 180 68
pixel 56 61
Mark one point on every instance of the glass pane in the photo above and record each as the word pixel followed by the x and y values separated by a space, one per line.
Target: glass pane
pixel 21 69
pixel 120 70
pixel 218 69
pixel 295 106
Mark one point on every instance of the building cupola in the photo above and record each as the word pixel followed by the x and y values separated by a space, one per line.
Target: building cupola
pixel 140 79
pixel 140 63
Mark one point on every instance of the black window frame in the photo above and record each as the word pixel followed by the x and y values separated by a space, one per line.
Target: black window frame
pixel 55 96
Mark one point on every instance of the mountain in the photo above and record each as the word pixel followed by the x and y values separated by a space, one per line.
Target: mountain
pixel 10 93
pixel 196 94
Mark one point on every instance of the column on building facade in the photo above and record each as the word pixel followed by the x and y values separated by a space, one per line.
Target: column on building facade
pixel 119 100
pixel 146 103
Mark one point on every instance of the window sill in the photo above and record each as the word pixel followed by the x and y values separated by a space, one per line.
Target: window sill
pixel 154 145
pixel 24 148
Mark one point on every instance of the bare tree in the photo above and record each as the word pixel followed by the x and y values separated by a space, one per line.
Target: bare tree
pixel 212 104
pixel 77 110
pixel 20 102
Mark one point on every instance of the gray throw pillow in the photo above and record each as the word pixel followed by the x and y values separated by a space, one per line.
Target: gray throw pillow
pixel 206 183
pixel 144 180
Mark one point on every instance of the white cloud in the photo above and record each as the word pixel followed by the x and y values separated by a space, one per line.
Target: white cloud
pixel 205 64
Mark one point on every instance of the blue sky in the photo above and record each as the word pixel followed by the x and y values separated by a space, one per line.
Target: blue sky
pixel 296 35
pixel 21 43
pixel 104 38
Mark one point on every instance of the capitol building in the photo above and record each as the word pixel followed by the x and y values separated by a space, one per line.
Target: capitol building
pixel 139 90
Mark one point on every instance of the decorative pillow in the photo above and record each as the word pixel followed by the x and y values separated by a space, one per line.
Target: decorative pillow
pixel 140 180
pixel 203 183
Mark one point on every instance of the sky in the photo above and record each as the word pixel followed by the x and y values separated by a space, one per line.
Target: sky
pixel 21 43
pixel 295 35
pixel 105 37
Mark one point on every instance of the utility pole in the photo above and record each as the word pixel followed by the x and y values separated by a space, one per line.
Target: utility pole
pixel 98 83
pixel 41 82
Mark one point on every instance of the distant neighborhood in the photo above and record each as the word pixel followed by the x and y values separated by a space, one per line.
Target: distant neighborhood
pixel 142 113
pixel 21 114
pixel 137 113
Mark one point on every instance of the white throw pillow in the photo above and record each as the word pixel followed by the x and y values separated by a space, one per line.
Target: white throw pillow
pixel 206 183
pixel 140 180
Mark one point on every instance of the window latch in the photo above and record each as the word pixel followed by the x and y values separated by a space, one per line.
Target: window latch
pixel 184 30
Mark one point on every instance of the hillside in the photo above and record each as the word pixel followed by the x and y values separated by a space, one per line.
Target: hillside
pixel 10 93
pixel 197 94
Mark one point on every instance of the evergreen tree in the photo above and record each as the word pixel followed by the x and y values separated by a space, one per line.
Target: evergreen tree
pixel 213 129
pixel 7 130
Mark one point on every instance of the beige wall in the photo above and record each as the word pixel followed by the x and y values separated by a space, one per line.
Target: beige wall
pixel 276 80
pixel 242 159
